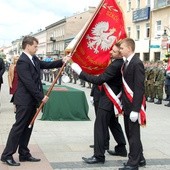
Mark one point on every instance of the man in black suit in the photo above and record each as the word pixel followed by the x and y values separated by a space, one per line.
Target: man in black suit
pixel 28 96
pixel 2 70
pixel 105 110
pixel 134 77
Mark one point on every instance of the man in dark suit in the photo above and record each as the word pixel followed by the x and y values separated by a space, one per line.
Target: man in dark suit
pixel 2 70
pixel 134 76
pixel 28 96
pixel 105 110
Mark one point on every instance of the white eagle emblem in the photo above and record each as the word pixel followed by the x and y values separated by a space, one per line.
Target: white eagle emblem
pixel 102 37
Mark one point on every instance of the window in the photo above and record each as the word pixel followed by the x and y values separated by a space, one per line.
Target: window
pixel 138 4
pixel 148 2
pixel 168 2
pixel 129 5
pixel 147 30
pixel 158 28
pixel 137 32
pixel 128 31
pixel 157 56
pixel 137 54
pixel 145 56
pixel 160 3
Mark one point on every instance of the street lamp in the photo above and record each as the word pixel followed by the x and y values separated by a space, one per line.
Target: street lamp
pixel 165 43
pixel 165 35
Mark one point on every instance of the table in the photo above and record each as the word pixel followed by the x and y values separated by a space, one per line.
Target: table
pixel 65 103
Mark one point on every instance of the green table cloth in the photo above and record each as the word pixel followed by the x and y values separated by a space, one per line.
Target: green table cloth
pixel 65 103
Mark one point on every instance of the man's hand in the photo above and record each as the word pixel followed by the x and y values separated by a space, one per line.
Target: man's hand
pixel 134 116
pixel 76 68
pixel 92 100
pixel 45 99
pixel 66 58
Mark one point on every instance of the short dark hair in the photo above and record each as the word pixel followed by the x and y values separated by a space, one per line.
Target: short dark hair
pixel 117 44
pixel 129 42
pixel 28 40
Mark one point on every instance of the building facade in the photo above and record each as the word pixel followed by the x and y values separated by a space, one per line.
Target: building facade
pixel 146 21
pixel 60 34
pixel 144 24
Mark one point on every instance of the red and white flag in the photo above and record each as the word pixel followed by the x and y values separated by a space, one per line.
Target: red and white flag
pixel 105 28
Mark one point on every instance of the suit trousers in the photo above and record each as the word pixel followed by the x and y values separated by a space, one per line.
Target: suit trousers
pixel 117 133
pixel 19 135
pixel 132 130
pixel 103 121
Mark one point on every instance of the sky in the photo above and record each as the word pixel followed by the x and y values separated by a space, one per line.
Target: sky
pixel 21 17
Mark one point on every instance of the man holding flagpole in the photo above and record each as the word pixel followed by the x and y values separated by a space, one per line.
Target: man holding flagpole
pixel 28 96
pixel 91 52
pixel 108 108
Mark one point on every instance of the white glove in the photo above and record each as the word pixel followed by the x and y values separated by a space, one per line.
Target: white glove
pixel 76 68
pixel 134 116
pixel 91 100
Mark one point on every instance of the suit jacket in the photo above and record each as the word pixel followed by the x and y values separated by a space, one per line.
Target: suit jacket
pixel 167 79
pixel 2 70
pixel 95 92
pixel 29 90
pixel 112 76
pixel 134 77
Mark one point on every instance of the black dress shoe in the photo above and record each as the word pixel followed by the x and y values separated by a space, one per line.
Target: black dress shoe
pixel 28 159
pixel 158 102
pixel 151 100
pixel 141 163
pixel 92 160
pixel 10 162
pixel 123 154
pixel 91 146
pixel 168 105
pixel 128 167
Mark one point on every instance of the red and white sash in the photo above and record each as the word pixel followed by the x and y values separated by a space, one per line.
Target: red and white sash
pixel 114 98
pixel 129 94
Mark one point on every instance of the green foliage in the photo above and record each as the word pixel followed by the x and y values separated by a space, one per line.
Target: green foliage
pixel 167 55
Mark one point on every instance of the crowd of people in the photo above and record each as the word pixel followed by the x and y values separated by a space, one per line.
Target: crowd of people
pixel 126 75
pixel 157 82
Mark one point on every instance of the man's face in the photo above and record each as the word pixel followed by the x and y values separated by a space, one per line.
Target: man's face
pixel 124 50
pixel 32 49
pixel 115 52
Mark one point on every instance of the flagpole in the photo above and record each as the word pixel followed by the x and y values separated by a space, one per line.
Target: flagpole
pixel 47 94
pixel 61 69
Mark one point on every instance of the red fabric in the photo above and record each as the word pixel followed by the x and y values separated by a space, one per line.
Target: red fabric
pixel 103 31
pixel 168 67
pixel 14 82
pixel 116 104
pixel 141 112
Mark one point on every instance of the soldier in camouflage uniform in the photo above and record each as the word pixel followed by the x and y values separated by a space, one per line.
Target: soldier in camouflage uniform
pixel 159 82
pixel 151 81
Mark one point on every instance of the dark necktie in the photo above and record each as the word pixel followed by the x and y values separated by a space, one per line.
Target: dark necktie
pixel 34 60
pixel 125 65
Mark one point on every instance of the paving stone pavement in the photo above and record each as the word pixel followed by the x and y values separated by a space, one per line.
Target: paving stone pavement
pixel 63 143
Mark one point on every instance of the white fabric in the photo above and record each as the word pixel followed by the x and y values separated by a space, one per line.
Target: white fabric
pixel 30 57
pixel 76 68
pixel 134 116
pixel 116 98
pixel 91 100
